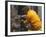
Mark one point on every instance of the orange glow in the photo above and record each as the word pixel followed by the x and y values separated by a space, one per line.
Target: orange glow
pixel 34 19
